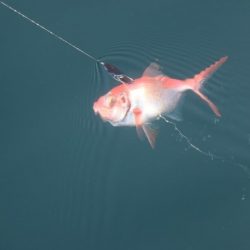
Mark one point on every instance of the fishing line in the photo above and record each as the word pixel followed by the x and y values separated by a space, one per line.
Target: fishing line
pixel 212 156
pixel 119 76
pixel 208 154
pixel 111 69
pixel 49 31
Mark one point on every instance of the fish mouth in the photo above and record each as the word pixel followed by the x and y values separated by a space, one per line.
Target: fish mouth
pixel 95 108
pixel 99 112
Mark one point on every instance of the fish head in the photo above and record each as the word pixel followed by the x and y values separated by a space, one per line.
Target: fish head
pixel 112 107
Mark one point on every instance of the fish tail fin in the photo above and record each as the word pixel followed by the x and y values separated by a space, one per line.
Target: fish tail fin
pixel 198 80
pixel 201 77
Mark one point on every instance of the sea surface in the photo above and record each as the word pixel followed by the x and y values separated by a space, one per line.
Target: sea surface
pixel 68 180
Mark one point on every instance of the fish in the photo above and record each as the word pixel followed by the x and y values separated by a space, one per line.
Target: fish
pixel 145 99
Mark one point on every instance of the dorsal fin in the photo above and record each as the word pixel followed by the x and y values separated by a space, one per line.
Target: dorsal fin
pixel 152 70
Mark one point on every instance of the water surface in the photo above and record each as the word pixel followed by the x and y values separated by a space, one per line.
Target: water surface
pixel 70 181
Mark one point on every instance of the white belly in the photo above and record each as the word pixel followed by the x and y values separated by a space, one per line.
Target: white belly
pixel 152 105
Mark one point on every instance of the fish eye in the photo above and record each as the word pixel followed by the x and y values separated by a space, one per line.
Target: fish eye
pixel 123 98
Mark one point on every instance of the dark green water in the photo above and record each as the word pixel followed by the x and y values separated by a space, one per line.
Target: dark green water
pixel 70 181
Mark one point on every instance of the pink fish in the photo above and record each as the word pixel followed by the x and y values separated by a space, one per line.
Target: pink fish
pixel 147 98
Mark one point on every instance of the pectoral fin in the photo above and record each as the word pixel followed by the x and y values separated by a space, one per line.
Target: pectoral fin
pixel 138 121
